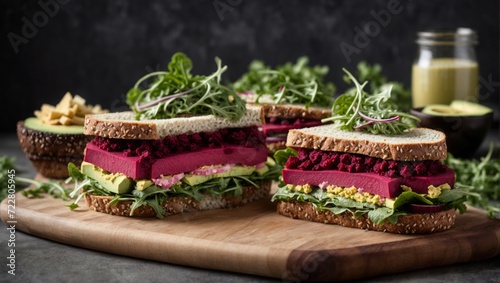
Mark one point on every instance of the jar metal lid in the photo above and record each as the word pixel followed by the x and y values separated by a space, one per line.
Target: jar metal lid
pixel 460 36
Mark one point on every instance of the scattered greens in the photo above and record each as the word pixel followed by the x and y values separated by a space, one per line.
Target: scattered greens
pixel 53 188
pixel 177 92
pixel 373 113
pixel 36 189
pixel 400 95
pixel 297 83
pixel 6 166
pixel 481 177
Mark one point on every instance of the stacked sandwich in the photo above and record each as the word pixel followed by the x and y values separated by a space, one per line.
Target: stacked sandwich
pixel 371 169
pixel 189 144
pixel 292 96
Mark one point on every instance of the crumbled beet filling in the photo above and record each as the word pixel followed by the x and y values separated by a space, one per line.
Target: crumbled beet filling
pixel 308 159
pixel 149 150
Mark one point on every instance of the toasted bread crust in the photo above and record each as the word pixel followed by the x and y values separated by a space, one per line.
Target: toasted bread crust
pixel 176 205
pixel 123 125
pixel 288 111
pixel 415 144
pixel 424 223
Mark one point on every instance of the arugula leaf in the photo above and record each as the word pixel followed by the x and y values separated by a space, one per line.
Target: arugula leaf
pixel 381 214
pixel 282 155
pixel 400 95
pixel 410 197
pixel 374 113
pixel 297 83
pixel 177 92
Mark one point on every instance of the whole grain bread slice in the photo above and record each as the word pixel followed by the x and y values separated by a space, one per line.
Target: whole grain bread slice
pixel 414 144
pixel 289 111
pixel 176 205
pixel 423 223
pixel 123 125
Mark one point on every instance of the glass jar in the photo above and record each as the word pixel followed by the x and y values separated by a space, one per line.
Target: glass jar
pixel 445 68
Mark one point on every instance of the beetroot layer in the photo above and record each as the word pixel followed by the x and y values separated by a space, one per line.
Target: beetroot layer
pixel 187 162
pixel 309 159
pixel 140 168
pixel 369 182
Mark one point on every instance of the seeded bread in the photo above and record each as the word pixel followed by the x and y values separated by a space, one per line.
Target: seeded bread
pixel 274 146
pixel 176 205
pixel 412 145
pixel 123 125
pixel 49 152
pixel 423 223
pixel 288 111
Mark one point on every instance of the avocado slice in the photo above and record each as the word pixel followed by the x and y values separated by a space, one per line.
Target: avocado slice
pixel 36 124
pixel 141 185
pixel 238 170
pixel 116 183
pixel 469 107
pixel 457 108
pixel 440 110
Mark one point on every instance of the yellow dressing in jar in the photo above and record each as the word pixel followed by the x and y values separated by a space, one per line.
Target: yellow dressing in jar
pixel 445 68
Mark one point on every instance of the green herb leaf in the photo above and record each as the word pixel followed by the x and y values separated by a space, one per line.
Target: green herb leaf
pixel 400 95
pixel 374 113
pixel 282 155
pixel 177 92
pixel 6 167
pixel 297 83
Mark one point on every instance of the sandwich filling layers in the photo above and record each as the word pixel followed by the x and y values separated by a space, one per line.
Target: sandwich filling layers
pixel 141 159
pixel 221 162
pixel 382 189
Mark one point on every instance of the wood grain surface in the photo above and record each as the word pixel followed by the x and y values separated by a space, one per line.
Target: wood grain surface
pixel 254 239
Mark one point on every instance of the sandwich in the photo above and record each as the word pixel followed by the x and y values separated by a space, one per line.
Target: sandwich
pixel 188 144
pixel 292 96
pixel 53 137
pixel 369 169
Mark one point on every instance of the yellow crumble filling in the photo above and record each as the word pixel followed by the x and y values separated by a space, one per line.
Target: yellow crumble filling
pixel 336 191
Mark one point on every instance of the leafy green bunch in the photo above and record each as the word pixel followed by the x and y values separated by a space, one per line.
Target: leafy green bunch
pixel 374 113
pixel 481 177
pixel 177 92
pixel 297 83
pixel 400 95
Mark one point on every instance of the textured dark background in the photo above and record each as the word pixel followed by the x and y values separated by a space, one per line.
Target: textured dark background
pixel 98 49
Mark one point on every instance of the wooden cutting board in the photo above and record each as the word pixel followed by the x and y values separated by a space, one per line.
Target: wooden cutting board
pixel 254 239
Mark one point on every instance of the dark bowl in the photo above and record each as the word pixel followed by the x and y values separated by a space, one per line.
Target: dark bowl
pixel 464 134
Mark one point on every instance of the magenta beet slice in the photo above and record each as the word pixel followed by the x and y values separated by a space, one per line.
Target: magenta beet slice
pixel 270 129
pixel 426 208
pixel 369 182
pixel 186 162
pixel 132 167
pixel 420 184
pixel 117 162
